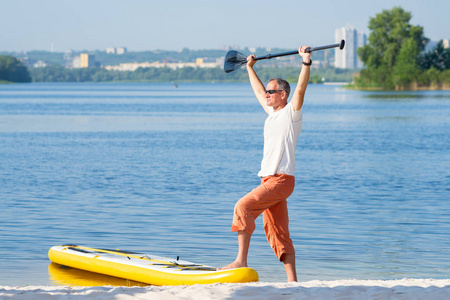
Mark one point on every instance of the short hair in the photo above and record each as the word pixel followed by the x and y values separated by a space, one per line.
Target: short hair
pixel 282 85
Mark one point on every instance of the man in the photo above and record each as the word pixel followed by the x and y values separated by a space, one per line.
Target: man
pixel 281 131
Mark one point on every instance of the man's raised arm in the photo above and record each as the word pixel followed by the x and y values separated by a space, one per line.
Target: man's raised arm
pixel 303 78
pixel 257 85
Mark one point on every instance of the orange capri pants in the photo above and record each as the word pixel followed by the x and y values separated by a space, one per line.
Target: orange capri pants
pixel 269 198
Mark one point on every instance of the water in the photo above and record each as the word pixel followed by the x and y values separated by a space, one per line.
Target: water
pixel 151 168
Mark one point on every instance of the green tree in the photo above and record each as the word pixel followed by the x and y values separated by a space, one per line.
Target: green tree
pixel 431 77
pixel 406 68
pixel 11 69
pixel 439 58
pixel 445 78
pixel 389 30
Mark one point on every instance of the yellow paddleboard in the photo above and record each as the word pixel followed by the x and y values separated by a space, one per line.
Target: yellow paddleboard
pixel 150 269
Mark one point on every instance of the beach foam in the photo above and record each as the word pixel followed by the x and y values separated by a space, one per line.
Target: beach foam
pixel 339 289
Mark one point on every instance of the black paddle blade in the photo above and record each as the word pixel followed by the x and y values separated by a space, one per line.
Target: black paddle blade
pixel 234 60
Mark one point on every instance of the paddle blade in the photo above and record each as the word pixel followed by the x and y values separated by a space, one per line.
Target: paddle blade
pixel 234 60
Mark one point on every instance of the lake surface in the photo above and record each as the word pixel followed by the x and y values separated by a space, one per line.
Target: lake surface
pixel 157 169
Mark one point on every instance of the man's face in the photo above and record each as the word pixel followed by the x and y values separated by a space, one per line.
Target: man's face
pixel 275 100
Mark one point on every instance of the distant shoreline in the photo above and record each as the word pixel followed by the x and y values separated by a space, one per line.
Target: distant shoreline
pixel 336 83
pixel 346 85
pixel 414 89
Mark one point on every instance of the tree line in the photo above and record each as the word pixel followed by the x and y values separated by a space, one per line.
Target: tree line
pixel 186 74
pixel 394 57
pixel 185 55
pixel 12 70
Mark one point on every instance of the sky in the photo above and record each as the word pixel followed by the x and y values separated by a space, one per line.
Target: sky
pixel 141 25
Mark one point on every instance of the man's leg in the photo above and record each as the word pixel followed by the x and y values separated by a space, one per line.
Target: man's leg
pixel 276 224
pixel 276 227
pixel 289 265
pixel 244 245
pixel 246 210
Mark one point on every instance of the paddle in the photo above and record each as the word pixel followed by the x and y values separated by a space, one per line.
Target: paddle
pixel 234 59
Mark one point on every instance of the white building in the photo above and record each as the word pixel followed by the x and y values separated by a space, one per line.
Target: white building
pixel 347 58
pixel 84 60
pixel 118 50
pixel 199 63
pixel 121 50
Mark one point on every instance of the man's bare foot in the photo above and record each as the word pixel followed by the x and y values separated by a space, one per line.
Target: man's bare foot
pixel 233 265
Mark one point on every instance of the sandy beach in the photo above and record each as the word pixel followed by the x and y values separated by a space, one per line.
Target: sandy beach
pixel 339 289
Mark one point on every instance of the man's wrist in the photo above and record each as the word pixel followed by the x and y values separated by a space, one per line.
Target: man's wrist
pixel 307 63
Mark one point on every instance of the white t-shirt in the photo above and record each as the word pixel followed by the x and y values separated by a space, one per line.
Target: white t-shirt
pixel 281 131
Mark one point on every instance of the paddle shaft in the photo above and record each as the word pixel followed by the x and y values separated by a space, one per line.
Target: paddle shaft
pixel 269 56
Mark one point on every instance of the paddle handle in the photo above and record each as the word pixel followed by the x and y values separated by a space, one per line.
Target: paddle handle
pixel 308 50
pixel 269 56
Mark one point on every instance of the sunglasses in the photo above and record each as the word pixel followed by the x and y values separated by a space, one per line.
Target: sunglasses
pixel 273 91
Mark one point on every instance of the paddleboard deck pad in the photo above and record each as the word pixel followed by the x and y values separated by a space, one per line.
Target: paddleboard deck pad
pixel 151 269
